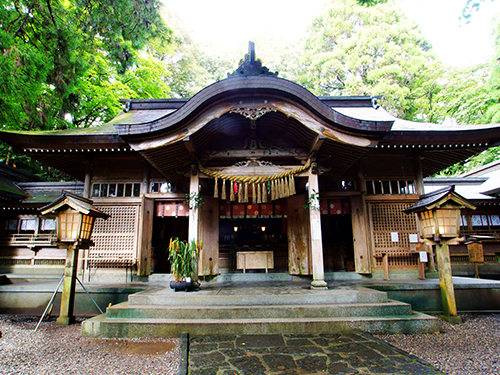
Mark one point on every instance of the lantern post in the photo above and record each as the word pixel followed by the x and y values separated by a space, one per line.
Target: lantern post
pixel 439 216
pixel 75 223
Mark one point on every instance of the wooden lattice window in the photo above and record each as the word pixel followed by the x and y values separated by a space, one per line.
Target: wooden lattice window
pixel 392 187
pixel 113 190
pixel 388 218
pixel 115 239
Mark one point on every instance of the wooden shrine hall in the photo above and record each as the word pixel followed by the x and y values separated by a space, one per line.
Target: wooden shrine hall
pixel 270 177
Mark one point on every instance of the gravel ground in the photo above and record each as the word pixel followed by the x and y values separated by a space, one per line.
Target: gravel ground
pixel 56 349
pixel 469 348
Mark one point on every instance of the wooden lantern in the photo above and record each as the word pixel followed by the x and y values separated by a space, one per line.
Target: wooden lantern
pixel 439 216
pixel 439 213
pixel 75 218
pixel 75 221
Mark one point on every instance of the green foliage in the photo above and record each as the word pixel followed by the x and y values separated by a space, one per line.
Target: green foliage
pixel 194 200
pixel 485 157
pixel 25 163
pixel 493 113
pixel 473 96
pixel 314 201
pixel 357 50
pixel 65 63
pixel 60 58
pixel 183 257
pixel 470 6
pixel 463 95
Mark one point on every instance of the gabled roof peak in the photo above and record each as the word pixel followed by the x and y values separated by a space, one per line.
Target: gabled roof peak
pixel 250 66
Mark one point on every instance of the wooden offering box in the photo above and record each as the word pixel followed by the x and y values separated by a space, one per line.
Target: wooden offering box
pixel 252 260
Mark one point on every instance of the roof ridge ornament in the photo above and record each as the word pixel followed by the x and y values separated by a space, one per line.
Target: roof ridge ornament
pixel 250 66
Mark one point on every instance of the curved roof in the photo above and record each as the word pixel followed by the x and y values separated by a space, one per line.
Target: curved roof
pixel 158 130
pixel 232 89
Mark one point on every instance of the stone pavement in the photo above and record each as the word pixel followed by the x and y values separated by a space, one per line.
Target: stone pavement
pixel 300 354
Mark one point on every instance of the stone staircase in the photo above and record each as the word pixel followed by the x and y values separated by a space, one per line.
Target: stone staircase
pixel 245 308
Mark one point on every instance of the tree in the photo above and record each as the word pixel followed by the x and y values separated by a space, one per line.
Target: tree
pixel 464 95
pixel 57 54
pixel 356 50
pixel 477 100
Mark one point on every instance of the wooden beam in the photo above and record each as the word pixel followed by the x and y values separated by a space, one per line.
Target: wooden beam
pixel 191 147
pixel 297 153
pixel 318 141
pixel 255 171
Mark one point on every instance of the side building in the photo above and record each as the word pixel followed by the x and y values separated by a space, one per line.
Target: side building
pixel 482 187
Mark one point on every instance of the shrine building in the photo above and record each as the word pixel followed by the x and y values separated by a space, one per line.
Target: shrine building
pixel 269 176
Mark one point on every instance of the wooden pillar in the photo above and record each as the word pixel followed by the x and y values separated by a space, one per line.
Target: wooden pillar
pixel 318 270
pixel 194 214
pixel 145 236
pixel 419 176
pixel 385 266
pixel 297 227
pixel 87 185
pixel 359 218
pixel 446 284
pixel 87 192
pixel 69 286
pixel 145 180
pixel 421 191
pixel 421 269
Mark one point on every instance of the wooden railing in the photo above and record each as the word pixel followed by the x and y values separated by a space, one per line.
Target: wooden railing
pixel 30 240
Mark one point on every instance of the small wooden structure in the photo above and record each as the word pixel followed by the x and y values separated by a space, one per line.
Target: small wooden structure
pixel 75 223
pixel 439 217
pixel 255 260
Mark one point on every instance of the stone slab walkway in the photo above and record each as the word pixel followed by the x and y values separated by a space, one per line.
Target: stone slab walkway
pixel 304 354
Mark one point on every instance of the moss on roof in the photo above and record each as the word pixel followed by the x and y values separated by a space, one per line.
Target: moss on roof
pixel 9 188
pixel 105 129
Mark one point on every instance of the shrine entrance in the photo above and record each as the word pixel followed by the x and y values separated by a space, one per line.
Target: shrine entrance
pixel 253 237
pixel 253 244
pixel 170 220
pixel 338 249
pixel 337 235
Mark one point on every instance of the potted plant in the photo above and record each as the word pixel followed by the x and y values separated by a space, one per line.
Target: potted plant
pixel 183 258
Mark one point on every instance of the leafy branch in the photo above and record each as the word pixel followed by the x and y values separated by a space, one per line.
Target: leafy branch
pixel 313 202
pixel 194 200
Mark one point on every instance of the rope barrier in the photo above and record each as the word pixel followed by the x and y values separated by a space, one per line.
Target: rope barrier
pixel 281 185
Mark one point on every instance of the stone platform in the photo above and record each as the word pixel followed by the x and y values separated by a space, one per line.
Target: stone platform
pixel 270 307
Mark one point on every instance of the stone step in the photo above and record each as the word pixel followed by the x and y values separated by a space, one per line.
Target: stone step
pixel 215 295
pixel 126 311
pixel 100 326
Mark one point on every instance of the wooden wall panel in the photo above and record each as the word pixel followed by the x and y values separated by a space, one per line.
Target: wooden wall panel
pixel 145 237
pixel 362 248
pixel 298 236
pixel 209 234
